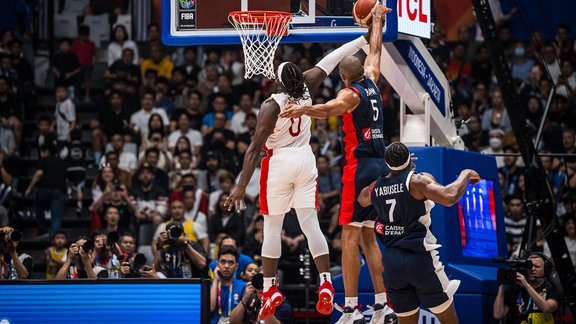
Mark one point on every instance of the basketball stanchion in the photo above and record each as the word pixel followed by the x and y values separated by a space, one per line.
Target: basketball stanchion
pixel 260 33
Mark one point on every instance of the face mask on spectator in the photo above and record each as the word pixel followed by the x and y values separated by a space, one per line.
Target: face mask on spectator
pixel 495 143
pixel 519 51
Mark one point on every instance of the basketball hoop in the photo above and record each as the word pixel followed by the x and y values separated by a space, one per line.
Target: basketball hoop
pixel 260 33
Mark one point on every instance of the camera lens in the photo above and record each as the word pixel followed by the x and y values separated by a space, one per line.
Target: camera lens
pixel 139 261
pixel 175 232
pixel 113 238
pixel 15 236
pixel 258 281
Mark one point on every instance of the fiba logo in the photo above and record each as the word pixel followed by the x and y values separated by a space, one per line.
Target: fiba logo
pixel 4 321
pixel 379 228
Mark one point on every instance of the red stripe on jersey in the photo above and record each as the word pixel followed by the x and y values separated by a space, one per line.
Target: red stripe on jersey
pixel 349 174
pixel 317 203
pixel 354 89
pixel 264 183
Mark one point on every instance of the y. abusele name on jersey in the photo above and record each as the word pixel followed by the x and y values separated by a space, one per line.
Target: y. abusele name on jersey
pixel 389 190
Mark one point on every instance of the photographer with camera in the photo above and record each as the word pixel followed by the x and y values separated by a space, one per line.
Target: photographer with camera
pixel 78 265
pixel 136 267
pixel 178 256
pixel 247 311
pixel 12 265
pixel 103 259
pixel 532 298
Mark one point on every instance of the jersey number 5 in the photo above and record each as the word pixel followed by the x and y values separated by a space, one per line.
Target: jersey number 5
pixel 391 202
pixel 291 130
pixel 374 108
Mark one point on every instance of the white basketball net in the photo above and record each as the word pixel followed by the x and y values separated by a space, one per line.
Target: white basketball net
pixel 260 33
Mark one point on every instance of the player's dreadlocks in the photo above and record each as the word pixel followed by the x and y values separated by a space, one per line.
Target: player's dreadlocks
pixel 291 80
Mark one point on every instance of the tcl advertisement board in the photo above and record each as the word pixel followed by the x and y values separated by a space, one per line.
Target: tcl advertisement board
pixel 414 17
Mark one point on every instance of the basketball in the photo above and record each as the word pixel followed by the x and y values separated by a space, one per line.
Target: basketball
pixel 362 12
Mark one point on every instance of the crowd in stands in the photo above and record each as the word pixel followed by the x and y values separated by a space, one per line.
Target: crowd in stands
pixel 172 128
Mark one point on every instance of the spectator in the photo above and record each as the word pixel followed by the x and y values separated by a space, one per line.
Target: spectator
pixel 112 220
pixel 150 200
pixel 13 266
pixel 78 264
pixel 244 139
pixel 208 179
pixel 226 291
pixel 182 166
pixel 496 141
pixel 194 110
pixel 126 160
pixel 328 192
pixel 139 120
pixel 497 115
pixel 515 222
pixel 551 62
pixel 160 179
pixel 520 65
pixel 188 181
pixel 64 115
pixel 7 141
pixel 76 169
pixel 116 197
pixel 124 68
pixel 45 133
pixel 10 109
pixel 156 140
pixel 225 221
pixel 482 66
pixel 85 51
pixel 120 42
pixel 22 65
pixel 65 67
pixel 50 178
pixel 225 182
pixel 556 177
pixel 105 262
pixel 193 231
pixel 179 257
pixel 569 238
pixel 208 79
pixel 127 245
pixel 459 70
pixel 56 254
pixel 220 138
pixel 113 118
pixel 194 136
pixel 220 105
pixel 533 298
pixel 237 124
pixel 511 172
pixel 568 76
pixel 569 147
pixel 189 68
pixel 157 62
pixel 230 241
pixel 194 214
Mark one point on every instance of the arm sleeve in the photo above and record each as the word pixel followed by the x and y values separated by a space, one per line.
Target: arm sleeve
pixel 329 62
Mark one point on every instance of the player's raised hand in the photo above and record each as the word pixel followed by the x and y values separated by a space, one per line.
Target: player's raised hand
pixel 380 10
pixel 236 199
pixel 292 111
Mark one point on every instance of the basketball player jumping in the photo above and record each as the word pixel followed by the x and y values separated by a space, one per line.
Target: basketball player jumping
pixel 288 178
pixel 362 128
pixel 403 199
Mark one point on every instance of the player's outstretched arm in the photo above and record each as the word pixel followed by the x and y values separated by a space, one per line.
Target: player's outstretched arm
pixel 267 118
pixel 346 101
pixel 365 196
pixel 316 75
pixel 372 62
pixel 424 186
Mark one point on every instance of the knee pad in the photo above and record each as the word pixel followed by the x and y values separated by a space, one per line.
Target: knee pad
pixel 308 219
pixel 272 243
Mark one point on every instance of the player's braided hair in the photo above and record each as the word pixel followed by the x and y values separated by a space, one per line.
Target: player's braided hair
pixel 396 154
pixel 292 81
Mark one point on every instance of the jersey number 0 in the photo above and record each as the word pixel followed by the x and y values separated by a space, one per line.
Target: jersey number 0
pixel 291 130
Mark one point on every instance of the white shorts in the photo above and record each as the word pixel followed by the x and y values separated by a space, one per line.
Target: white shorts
pixel 288 180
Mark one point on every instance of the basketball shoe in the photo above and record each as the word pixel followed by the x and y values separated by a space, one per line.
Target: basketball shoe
pixel 350 316
pixel 325 298
pixel 270 299
pixel 382 314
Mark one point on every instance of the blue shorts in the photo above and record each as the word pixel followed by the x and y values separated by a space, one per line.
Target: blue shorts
pixel 416 278
pixel 358 174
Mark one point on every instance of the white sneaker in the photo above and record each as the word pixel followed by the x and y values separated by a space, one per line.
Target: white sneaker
pixel 349 315
pixel 382 314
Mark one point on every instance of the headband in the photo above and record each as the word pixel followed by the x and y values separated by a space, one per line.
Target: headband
pixel 279 73
pixel 400 167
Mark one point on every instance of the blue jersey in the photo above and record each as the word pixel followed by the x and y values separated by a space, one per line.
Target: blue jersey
pixel 230 297
pixel 362 130
pixel 403 222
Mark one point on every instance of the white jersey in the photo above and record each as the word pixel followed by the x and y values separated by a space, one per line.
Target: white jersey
pixel 290 132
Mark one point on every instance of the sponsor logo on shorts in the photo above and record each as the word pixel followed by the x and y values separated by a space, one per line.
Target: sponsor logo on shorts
pixel 367 134
pixel 379 228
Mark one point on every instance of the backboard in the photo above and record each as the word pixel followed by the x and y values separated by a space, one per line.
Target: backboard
pixel 205 22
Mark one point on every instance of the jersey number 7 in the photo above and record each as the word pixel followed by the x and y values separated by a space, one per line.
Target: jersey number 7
pixel 391 202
